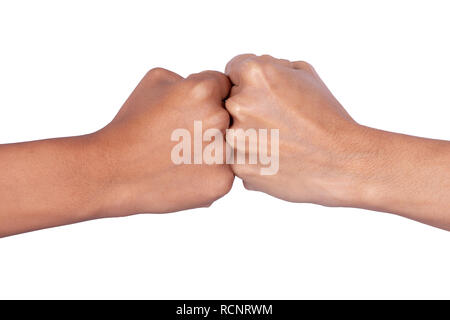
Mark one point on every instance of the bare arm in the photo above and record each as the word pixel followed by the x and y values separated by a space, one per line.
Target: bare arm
pixel 50 182
pixel 325 157
pixel 401 174
pixel 123 169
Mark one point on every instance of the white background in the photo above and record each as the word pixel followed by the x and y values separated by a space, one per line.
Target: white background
pixel 66 68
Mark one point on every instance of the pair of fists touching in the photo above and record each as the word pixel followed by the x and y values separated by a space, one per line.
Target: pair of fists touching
pixel 259 92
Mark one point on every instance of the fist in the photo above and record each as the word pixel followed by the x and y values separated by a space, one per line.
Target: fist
pixel 314 129
pixel 139 144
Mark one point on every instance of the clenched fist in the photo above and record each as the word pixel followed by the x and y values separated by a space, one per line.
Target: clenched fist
pixel 270 93
pixel 138 143
pixel 325 157
pixel 165 151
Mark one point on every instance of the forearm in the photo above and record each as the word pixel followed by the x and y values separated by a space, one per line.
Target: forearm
pixel 48 183
pixel 401 174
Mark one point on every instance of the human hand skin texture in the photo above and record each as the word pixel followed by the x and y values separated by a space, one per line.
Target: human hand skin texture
pixel 325 157
pixel 124 168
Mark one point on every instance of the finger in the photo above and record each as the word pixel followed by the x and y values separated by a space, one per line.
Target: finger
pixel 270 59
pixel 235 90
pixel 233 68
pixel 245 171
pixel 234 109
pixel 249 185
pixel 303 65
pixel 220 119
pixel 285 62
pixel 210 84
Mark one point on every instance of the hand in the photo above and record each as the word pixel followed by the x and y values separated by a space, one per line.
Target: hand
pixel 124 168
pixel 325 157
pixel 314 129
pixel 137 144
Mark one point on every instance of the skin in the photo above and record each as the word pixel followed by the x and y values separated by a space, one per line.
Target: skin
pixel 124 168
pixel 325 156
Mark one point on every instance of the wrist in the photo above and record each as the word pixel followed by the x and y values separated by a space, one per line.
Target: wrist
pixel 360 154
pixel 381 169
pixel 101 168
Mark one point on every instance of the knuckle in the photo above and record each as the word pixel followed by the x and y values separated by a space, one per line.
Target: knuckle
pixel 203 88
pixel 249 186
pixel 237 170
pixel 266 57
pixel 157 73
pixel 254 66
pixel 285 61
pixel 222 184
pixel 207 204
pixel 257 69
pixel 220 119
pixel 240 170
pixel 304 65
pixel 235 90
pixel 234 107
